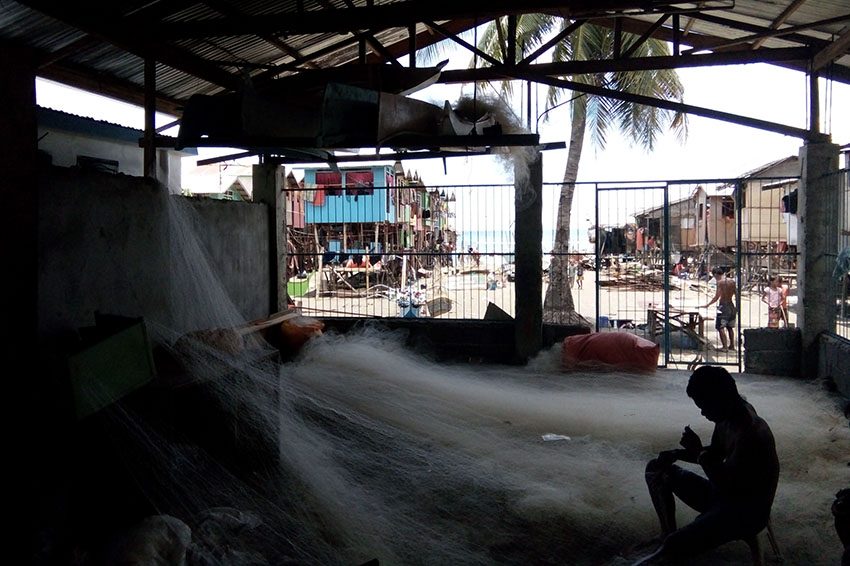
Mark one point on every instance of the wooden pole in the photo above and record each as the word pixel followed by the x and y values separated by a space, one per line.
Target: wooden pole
pixel 149 154
pixel 320 272
pixel 365 256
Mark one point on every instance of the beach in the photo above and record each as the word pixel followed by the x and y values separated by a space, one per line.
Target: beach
pixel 630 296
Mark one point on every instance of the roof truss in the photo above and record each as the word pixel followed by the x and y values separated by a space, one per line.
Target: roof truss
pixel 369 30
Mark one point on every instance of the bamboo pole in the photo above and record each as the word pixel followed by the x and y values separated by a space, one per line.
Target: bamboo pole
pixel 320 273
pixel 365 256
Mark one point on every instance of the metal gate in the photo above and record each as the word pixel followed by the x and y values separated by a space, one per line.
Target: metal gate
pixel 651 251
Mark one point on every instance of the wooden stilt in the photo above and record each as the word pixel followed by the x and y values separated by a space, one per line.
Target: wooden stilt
pixel 320 273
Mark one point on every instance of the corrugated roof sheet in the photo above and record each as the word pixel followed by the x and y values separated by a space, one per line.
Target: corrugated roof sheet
pixel 89 55
pixel 51 118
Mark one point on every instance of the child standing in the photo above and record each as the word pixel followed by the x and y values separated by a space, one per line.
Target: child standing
pixel 774 297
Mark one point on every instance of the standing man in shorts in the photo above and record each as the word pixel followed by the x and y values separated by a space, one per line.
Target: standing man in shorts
pixel 726 310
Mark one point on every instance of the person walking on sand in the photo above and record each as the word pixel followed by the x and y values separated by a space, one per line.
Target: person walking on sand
pixel 579 275
pixel 726 309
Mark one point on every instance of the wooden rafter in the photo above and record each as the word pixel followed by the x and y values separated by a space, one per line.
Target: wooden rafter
pixel 427 37
pixel 645 35
pixel 307 57
pixel 113 87
pixel 833 51
pixel 565 68
pixel 536 73
pixel 756 30
pixel 130 38
pixel 703 42
pixel 780 19
pixel 378 47
pixel 400 14
pixel 679 107
pixel 448 35
pixel 368 36
pixel 778 32
pixel 560 36
pixel 225 8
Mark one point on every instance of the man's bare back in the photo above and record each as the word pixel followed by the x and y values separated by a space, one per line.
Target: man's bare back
pixel 726 290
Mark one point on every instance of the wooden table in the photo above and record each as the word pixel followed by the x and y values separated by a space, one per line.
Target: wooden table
pixel 691 323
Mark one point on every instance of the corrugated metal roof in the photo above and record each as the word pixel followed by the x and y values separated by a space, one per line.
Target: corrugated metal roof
pixel 65 121
pixel 78 43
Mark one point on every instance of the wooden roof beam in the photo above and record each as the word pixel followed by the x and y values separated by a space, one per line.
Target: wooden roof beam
pixel 774 33
pixel 681 107
pixel 398 14
pixel 833 51
pixel 106 85
pixel 426 38
pixel 838 73
pixel 760 32
pixel 129 38
pixel 227 9
pixel 645 35
pixel 780 19
pixel 563 34
pixel 448 35
pixel 566 68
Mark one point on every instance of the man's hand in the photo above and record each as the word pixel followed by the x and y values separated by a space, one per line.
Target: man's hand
pixel 691 443
pixel 668 457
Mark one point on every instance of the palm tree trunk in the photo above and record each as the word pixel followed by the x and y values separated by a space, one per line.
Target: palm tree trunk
pixel 558 306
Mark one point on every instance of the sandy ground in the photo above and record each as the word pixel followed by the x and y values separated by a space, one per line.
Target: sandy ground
pixel 627 303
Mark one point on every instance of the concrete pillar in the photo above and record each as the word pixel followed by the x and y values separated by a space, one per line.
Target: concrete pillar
pixel 19 186
pixel 30 438
pixel 816 209
pixel 268 186
pixel 528 185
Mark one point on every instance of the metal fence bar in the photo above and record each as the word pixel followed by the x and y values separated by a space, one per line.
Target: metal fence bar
pixel 459 259
pixel 838 249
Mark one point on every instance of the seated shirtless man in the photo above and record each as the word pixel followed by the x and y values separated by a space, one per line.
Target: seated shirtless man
pixel 740 465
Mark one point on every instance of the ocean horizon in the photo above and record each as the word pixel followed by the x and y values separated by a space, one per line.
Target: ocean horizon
pixel 502 241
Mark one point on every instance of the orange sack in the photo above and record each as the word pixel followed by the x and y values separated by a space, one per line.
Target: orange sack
pixel 296 331
pixel 617 350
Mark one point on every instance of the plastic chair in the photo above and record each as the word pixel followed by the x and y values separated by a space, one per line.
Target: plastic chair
pixel 754 542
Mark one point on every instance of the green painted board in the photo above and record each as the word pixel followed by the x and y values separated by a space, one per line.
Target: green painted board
pixel 106 371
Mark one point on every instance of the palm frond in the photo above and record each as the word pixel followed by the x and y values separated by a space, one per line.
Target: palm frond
pixel 431 54
pixel 641 124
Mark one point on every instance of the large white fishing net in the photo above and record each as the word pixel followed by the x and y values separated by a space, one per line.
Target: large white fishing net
pixel 361 449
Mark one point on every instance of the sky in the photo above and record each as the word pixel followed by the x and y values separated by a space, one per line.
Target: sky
pixel 713 149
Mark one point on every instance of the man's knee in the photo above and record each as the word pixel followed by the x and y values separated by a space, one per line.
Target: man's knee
pixel 654 466
pixel 657 472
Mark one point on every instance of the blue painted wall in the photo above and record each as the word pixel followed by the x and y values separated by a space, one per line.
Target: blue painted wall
pixel 352 208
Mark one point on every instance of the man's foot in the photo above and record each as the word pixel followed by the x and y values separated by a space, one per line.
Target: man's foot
pixel 646 546
pixel 650 558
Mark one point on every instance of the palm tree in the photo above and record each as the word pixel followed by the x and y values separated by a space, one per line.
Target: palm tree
pixel 641 124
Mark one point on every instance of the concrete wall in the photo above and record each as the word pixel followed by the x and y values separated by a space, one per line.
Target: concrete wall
pixel 773 351
pixel 834 362
pixel 235 235
pixel 64 148
pixel 106 243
